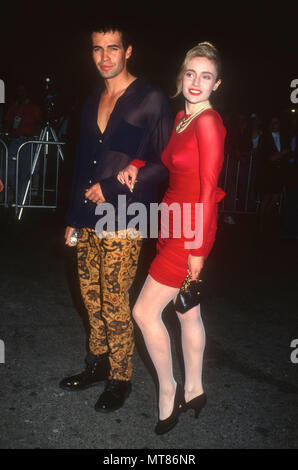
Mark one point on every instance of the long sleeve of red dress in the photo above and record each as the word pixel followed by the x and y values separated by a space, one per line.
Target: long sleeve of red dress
pixel 210 134
pixel 138 163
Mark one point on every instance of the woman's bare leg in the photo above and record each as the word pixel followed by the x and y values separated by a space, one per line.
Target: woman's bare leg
pixel 147 312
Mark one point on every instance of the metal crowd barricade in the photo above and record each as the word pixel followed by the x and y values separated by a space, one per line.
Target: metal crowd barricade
pixel 25 194
pixel 231 185
pixel 4 174
pixel 230 181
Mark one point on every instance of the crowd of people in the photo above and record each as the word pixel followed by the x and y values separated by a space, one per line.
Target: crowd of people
pixel 262 159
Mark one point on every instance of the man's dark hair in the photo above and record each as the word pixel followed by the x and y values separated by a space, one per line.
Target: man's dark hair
pixel 113 27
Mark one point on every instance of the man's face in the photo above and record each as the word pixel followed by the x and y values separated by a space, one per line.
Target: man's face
pixel 199 80
pixel 108 53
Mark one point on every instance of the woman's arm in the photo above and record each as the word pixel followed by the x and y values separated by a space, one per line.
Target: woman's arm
pixel 210 137
pixel 129 174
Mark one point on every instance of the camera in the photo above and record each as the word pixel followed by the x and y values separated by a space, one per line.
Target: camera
pixel 49 99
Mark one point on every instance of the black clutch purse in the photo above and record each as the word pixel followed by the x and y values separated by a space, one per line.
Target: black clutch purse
pixel 189 294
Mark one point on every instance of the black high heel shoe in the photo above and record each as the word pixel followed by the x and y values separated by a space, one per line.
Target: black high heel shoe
pixel 197 404
pixel 167 424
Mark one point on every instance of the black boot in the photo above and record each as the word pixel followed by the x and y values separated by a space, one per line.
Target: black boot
pixel 114 396
pixel 97 370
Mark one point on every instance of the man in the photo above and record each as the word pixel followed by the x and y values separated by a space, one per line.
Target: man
pixel 124 119
pixel 274 149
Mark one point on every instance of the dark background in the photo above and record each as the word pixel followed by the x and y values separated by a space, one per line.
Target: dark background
pixel 258 44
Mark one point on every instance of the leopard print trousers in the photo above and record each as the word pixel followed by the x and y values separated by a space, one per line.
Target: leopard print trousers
pixel 107 268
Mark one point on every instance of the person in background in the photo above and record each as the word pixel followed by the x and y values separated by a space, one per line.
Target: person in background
pixel 242 146
pixel 256 132
pixel 274 149
pixel 289 225
pixel 22 122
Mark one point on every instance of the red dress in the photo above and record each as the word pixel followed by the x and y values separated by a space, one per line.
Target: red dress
pixel 194 158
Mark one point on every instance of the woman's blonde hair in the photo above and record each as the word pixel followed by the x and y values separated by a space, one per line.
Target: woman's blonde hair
pixel 203 49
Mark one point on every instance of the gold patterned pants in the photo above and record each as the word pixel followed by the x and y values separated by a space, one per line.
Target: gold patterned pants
pixel 107 268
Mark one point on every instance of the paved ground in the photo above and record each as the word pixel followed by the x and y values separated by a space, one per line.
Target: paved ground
pixel 250 315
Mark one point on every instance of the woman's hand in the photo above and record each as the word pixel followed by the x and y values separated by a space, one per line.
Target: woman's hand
pixel 195 264
pixel 128 176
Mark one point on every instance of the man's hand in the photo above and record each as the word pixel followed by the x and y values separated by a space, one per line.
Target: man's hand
pixel 94 194
pixel 1 186
pixel 279 155
pixel 195 264
pixel 67 235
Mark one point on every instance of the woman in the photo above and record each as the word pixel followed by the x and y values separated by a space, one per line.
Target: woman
pixel 194 157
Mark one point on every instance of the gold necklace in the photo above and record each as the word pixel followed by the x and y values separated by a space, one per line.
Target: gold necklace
pixel 184 123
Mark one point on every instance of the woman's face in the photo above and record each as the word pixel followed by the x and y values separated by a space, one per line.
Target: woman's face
pixel 199 80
